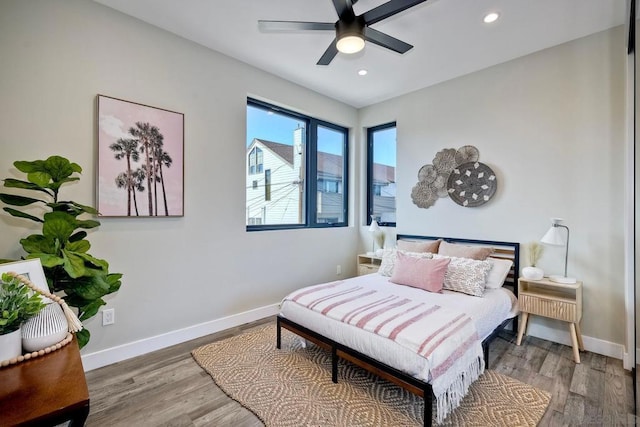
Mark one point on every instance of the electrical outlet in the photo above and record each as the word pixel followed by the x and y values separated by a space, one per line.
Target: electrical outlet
pixel 338 270
pixel 108 316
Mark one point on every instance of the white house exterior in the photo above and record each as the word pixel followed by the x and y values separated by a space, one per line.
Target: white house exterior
pixel 275 184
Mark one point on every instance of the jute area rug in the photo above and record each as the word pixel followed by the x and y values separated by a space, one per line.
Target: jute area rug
pixel 292 387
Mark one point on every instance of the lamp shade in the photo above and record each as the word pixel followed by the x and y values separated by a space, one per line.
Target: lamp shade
pixel 374 227
pixel 554 235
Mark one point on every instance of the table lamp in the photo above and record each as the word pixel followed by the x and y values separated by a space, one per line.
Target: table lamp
pixel 554 237
pixel 374 229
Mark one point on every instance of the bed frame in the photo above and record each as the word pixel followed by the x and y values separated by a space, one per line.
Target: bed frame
pixel 508 250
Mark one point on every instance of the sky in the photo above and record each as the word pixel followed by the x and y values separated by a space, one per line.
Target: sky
pixel 276 127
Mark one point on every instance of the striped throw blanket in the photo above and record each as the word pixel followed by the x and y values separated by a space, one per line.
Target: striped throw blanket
pixel 446 338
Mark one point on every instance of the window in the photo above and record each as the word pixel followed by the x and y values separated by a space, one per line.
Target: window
pixel 267 185
pixel 297 156
pixel 255 161
pixel 381 174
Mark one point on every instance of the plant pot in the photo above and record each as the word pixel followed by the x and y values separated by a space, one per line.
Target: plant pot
pixel 10 345
pixel 532 273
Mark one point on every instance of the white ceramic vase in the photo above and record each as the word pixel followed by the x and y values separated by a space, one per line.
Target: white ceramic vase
pixel 532 273
pixel 45 329
pixel 10 345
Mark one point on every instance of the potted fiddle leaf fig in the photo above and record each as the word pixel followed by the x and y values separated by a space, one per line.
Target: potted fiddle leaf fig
pixel 17 304
pixel 78 277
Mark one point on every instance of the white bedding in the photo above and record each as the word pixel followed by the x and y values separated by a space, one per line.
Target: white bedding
pixel 487 313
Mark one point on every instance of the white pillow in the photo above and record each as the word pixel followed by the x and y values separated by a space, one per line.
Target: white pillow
pixel 500 268
pixel 465 275
pixel 389 257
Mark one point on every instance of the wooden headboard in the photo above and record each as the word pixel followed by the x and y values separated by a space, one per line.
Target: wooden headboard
pixel 505 250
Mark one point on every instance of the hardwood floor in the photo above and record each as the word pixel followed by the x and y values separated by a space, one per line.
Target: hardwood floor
pixel 167 387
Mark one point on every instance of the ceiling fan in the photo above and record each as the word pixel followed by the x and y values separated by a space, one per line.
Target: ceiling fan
pixel 351 30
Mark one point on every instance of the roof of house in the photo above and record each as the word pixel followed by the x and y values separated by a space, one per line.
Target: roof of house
pixel 283 150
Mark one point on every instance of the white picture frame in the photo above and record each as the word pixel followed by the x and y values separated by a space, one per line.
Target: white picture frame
pixel 32 270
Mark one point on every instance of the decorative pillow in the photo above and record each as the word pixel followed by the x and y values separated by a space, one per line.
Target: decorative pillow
pixel 500 268
pixel 466 275
pixel 463 251
pixel 389 260
pixel 423 273
pixel 419 246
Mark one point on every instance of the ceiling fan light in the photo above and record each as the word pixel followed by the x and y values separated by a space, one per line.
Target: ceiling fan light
pixel 491 17
pixel 350 44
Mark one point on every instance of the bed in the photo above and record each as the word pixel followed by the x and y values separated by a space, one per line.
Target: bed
pixel 341 329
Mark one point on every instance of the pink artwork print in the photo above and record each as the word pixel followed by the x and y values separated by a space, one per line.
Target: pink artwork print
pixel 140 160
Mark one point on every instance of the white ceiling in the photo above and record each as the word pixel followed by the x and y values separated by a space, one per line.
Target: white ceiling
pixel 448 36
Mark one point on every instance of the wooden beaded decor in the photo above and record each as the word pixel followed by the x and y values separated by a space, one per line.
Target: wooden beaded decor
pixel 74 325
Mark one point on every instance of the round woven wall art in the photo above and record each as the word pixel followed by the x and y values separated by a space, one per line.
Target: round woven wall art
pixel 472 184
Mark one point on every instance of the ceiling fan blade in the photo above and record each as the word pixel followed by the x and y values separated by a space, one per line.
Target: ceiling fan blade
pixel 329 54
pixel 385 40
pixel 344 9
pixel 294 25
pixel 388 9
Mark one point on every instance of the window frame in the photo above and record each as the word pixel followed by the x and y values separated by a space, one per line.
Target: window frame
pixel 310 204
pixel 370 189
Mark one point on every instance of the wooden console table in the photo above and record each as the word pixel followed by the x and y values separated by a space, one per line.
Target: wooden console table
pixel 45 391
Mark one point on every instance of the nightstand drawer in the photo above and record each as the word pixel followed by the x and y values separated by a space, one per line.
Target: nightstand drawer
pixel 367 269
pixel 549 308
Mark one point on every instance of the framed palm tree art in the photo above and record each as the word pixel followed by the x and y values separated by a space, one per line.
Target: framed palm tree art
pixel 140 160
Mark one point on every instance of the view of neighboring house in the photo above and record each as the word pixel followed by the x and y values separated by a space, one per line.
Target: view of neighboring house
pixel 275 188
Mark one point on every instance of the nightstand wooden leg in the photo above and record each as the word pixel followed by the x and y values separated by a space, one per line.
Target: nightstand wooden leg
pixel 579 333
pixel 574 341
pixel 523 327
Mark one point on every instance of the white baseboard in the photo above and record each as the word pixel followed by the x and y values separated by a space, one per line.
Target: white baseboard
pixel 137 348
pixel 594 345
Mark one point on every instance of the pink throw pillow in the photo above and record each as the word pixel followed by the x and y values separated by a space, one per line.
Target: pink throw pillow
pixel 423 273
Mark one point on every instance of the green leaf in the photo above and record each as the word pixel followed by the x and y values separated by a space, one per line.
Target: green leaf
pixel 79 246
pixel 78 236
pixel 85 208
pixel 90 288
pixel 60 168
pixel 15 183
pixel 47 260
pixel 114 282
pixel 73 264
pixel 40 179
pixel 19 214
pixel 39 243
pixel 28 167
pixel 89 223
pixel 101 265
pixel 91 309
pixel 83 337
pixel 59 225
pixel 16 200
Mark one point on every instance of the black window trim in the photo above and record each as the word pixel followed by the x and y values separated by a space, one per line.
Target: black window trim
pixel 370 132
pixel 310 179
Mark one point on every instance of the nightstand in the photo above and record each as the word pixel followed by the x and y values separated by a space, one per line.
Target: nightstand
pixel 368 264
pixel 553 300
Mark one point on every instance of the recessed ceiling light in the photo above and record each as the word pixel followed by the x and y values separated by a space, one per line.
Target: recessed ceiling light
pixel 362 72
pixel 491 17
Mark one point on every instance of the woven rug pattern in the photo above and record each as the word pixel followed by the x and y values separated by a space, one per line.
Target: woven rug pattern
pixel 293 387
